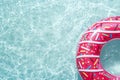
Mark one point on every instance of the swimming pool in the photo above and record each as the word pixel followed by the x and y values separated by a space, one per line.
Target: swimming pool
pixel 38 38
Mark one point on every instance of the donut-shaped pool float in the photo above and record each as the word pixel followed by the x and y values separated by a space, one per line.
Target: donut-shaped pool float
pixel 90 46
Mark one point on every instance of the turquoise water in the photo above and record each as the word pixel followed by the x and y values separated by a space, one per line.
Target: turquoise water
pixel 110 55
pixel 38 38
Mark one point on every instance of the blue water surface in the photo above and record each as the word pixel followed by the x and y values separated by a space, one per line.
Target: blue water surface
pixel 38 38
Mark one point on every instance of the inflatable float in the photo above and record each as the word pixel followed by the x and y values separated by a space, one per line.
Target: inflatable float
pixel 89 49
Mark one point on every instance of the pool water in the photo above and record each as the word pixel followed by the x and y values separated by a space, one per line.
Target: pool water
pixel 110 55
pixel 38 38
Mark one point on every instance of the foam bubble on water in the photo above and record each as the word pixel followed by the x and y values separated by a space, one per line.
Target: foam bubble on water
pixel 114 69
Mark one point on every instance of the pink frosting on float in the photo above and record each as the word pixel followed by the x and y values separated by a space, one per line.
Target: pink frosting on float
pixel 89 48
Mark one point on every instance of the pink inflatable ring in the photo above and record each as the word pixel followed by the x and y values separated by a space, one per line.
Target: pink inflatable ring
pixel 89 49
